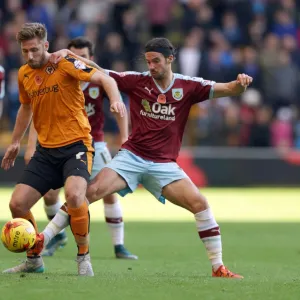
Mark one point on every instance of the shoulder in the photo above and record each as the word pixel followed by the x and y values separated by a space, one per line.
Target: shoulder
pixel 23 70
pixel 129 74
pixel 193 80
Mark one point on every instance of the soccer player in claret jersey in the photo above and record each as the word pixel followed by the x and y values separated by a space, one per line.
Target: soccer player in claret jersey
pixel 94 97
pixel 160 101
pixel 52 95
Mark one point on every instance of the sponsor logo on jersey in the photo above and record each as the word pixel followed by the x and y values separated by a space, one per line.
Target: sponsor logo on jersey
pixel 148 90
pixel 177 94
pixel 79 64
pixel 94 92
pixel 146 105
pixel 158 111
pixel 48 89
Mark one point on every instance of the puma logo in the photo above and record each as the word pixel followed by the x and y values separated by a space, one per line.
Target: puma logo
pixel 149 90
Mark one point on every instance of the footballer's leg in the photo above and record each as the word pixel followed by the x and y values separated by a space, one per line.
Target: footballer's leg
pixel 185 194
pixel 52 204
pixel 114 220
pixel 112 206
pixel 23 198
pixel 169 181
pixel 38 178
pixel 117 176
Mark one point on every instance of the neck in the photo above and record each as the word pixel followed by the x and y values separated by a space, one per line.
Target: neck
pixel 47 56
pixel 166 81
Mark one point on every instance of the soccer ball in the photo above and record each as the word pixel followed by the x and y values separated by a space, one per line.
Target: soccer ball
pixel 18 235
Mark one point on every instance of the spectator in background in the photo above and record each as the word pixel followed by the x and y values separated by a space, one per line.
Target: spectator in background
pixel 158 15
pixel 259 135
pixel 282 129
pixel 2 88
pixel 216 39
pixel 231 28
pixel 13 97
pixel 113 50
pixel 191 55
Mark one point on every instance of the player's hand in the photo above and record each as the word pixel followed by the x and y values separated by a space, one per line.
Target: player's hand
pixel 10 156
pixel 244 80
pixel 28 154
pixel 57 56
pixel 119 108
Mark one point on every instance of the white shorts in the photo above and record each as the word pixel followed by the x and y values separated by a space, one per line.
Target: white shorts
pixel 152 175
pixel 101 158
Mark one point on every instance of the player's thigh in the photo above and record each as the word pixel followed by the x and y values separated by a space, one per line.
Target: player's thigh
pixel 184 193
pixel 159 175
pixel 121 175
pixel 51 197
pixel 41 174
pixel 106 182
pixel 23 199
pixel 76 173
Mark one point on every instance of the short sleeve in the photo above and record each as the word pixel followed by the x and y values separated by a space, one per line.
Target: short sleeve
pixel 126 80
pixel 23 96
pixel 76 68
pixel 202 89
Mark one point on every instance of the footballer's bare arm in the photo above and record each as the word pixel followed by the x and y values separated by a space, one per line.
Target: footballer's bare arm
pixel 233 88
pixel 55 57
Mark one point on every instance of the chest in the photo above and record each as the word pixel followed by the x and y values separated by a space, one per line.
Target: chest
pixel 40 83
pixel 152 98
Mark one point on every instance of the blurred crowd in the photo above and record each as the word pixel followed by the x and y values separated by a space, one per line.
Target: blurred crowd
pixel 215 39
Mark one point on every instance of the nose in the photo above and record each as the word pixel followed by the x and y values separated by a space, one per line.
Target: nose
pixel 30 55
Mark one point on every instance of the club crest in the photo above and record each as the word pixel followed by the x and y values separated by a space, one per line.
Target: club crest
pixel 177 94
pixel 94 92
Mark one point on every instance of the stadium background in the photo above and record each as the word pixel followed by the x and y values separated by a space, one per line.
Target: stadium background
pixel 232 145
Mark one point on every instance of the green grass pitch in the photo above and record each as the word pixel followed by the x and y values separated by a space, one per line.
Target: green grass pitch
pixel 260 233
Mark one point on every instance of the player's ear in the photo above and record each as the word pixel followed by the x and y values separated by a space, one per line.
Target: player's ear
pixel 46 45
pixel 170 59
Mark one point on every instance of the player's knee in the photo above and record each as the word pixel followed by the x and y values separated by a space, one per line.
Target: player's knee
pixel 50 199
pixel 197 204
pixel 18 207
pixel 74 198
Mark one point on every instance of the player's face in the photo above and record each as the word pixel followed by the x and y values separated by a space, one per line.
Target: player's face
pixel 158 65
pixel 83 52
pixel 34 52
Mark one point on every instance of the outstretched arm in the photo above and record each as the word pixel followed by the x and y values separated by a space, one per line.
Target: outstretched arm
pixel 59 55
pixel 233 88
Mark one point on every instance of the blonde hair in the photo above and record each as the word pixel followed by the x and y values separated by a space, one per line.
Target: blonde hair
pixel 30 31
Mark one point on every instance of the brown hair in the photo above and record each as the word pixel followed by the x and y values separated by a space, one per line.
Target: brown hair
pixel 30 31
pixel 80 43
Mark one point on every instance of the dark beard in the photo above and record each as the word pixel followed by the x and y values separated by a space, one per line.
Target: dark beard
pixel 39 64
